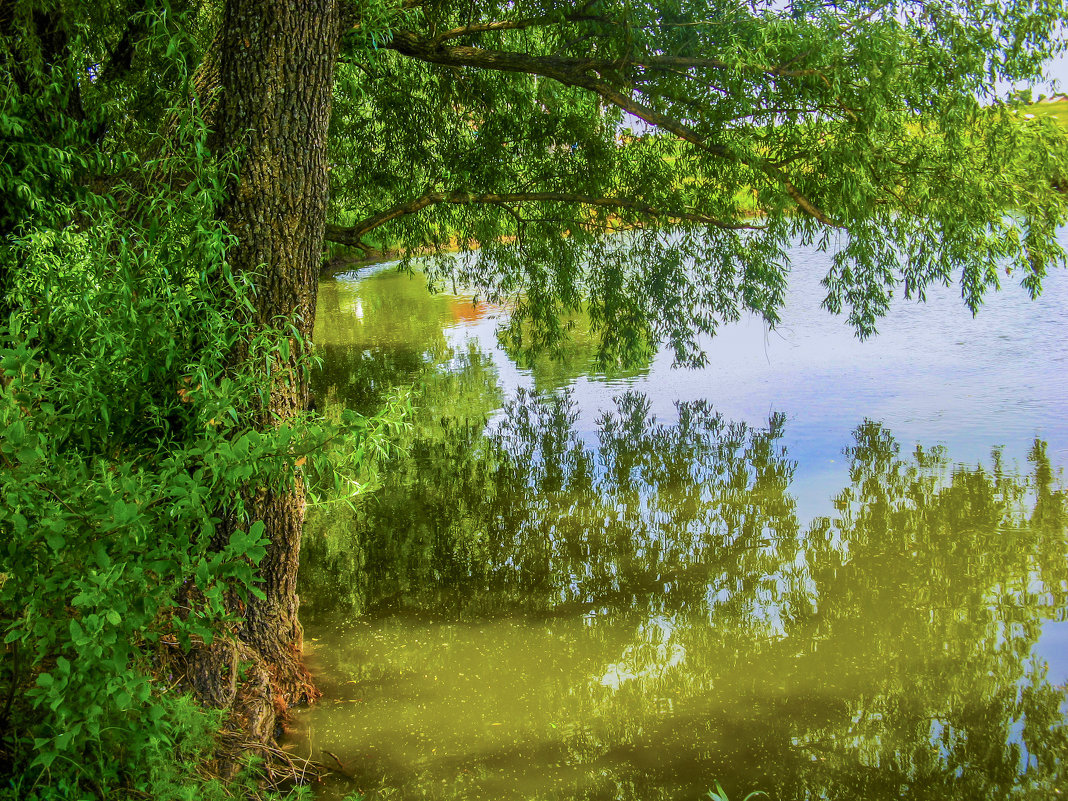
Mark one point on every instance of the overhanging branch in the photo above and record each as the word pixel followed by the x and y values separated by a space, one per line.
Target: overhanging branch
pixel 353 235
pixel 590 74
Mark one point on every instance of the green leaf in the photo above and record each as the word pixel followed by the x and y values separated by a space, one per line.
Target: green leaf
pixel 77 633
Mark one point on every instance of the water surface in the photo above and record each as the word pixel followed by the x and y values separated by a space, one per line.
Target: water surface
pixel 819 568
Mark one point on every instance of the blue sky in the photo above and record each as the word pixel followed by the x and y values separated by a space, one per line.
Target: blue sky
pixel 1058 68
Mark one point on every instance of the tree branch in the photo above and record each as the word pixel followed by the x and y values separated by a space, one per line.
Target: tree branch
pixel 587 74
pixel 511 25
pixel 569 71
pixel 842 29
pixel 434 51
pixel 120 57
pixel 353 235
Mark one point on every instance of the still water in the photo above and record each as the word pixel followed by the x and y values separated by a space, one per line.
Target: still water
pixel 818 568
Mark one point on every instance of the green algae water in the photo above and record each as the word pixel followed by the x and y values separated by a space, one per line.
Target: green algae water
pixel 819 568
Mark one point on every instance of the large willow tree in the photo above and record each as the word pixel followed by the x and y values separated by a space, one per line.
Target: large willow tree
pixel 646 163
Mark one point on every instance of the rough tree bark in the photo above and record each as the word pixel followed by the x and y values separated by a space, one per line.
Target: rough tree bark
pixel 276 70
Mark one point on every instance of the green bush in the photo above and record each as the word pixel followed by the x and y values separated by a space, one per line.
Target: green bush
pixel 128 429
pixel 121 428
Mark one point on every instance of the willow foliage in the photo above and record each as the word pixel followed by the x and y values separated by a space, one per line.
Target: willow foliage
pixel 717 134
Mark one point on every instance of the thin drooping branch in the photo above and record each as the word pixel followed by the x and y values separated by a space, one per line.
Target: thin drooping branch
pixel 588 74
pixel 513 25
pixel 353 235
pixel 203 94
pixel 843 29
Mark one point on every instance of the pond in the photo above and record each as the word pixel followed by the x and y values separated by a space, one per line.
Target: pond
pixel 818 567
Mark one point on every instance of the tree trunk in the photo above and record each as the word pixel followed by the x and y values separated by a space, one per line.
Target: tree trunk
pixel 276 70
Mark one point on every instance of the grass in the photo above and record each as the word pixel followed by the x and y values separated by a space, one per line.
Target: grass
pixel 720 795
pixel 1058 112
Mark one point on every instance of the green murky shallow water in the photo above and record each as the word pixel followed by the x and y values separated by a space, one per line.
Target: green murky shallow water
pixel 817 568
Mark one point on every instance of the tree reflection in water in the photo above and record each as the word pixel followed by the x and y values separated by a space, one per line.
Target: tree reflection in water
pixel 883 651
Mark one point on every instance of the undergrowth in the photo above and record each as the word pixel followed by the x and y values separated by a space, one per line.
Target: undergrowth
pixel 127 430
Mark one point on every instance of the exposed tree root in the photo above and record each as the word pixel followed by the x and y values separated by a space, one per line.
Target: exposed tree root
pixel 230 675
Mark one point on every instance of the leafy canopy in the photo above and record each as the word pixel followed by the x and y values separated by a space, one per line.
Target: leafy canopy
pixel 716 134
